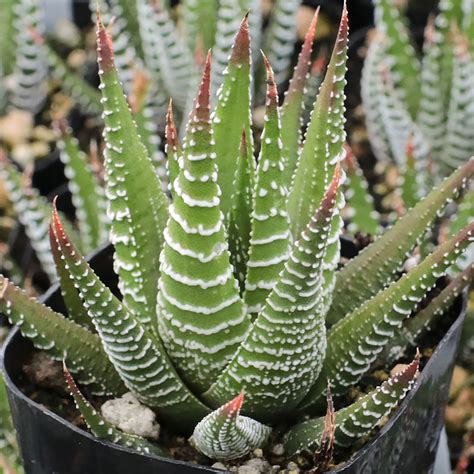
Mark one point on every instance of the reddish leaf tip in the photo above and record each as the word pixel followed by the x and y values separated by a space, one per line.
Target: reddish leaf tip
pixel 105 53
pixel 202 104
pixel 241 48
pixel 233 407
pixel 272 92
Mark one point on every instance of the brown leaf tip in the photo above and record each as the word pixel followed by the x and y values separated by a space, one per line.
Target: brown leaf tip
pixel 241 48
pixel 343 26
pixel 202 104
pixel 171 132
pixel 272 92
pixel 105 52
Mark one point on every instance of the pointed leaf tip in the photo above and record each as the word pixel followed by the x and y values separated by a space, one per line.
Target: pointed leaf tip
pixel 241 49
pixel 202 103
pixel 272 92
pixel 410 372
pixel 105 52
pixel 233 407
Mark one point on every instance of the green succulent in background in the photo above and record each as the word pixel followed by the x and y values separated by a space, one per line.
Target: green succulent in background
pixel 429 102
pixel 234 313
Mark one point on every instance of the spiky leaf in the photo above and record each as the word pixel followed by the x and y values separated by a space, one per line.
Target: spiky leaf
pixel 134 350
pixel 105 430
pixel 270 230
pixel 225 434
pixel 87 193
pixel 293 104
pixel 324 139
pixel 426 319
pixel 362 214
pixel 200 19
pixel 136 229
pixel 239 227
pixel 358 419
pixel 355 342
pixel 30 71
pixel 61 339
pixel 283 352
pixel 280 37
pixel 200 314
pixel 232 114
pixel 401 54
pixel 173 147
pixel 377 265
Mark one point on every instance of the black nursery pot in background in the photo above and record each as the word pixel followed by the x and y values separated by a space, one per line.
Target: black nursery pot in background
pixel 49 444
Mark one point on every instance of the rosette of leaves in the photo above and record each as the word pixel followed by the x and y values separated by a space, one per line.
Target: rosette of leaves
pixel 429 102
pixel 233 314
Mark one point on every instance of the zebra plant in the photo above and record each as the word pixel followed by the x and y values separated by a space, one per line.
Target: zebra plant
pixel 429 103
pixel 234 314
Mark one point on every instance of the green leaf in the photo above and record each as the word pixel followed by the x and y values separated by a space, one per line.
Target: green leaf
pixel 127 12
pixel 358 419
pixel 354 342
pixel 87 193
pixel 372 92
pixel 33 211
pixel 459 138
pixel 324 139
pixel 280 37
pixel 239 227
pixel 101 428
pixel 427 319
pixel 73 302
pixel 136 353
pixel 400 53
pixel 270 232
pixel 168 52
pixel 436 76
pixel 378 264
pixel 232 114
pixel 201 316
pixel 228 15
pixel 61 339
pixel 283 352
pixel 293 105
pixel 30 70
pixel 144 109
pixel 459 220
pixel 86 96
pixel 200 20
pixel 360 204
pixel 411 190
pixel 313 84
pixel 131 181
pixel 224 434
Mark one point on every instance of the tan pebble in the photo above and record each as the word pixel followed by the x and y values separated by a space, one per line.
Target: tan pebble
pixel 278 449
pixel 258 453
pixel 219 465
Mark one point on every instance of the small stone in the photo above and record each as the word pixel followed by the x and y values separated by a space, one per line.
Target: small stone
pixel 258 453
pixel 275 469
pixel 219 465
pixel 259 464
pixel 293 468
pixel 129 415
pixel 278 450
pixel 248 470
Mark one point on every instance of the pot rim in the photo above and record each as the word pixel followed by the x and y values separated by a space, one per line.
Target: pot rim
pixel 81 432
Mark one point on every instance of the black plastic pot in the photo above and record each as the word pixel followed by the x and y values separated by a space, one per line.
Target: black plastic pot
pixel 49 444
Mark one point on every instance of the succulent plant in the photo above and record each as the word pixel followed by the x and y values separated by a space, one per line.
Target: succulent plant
pixel 233 311
pixel 429 103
